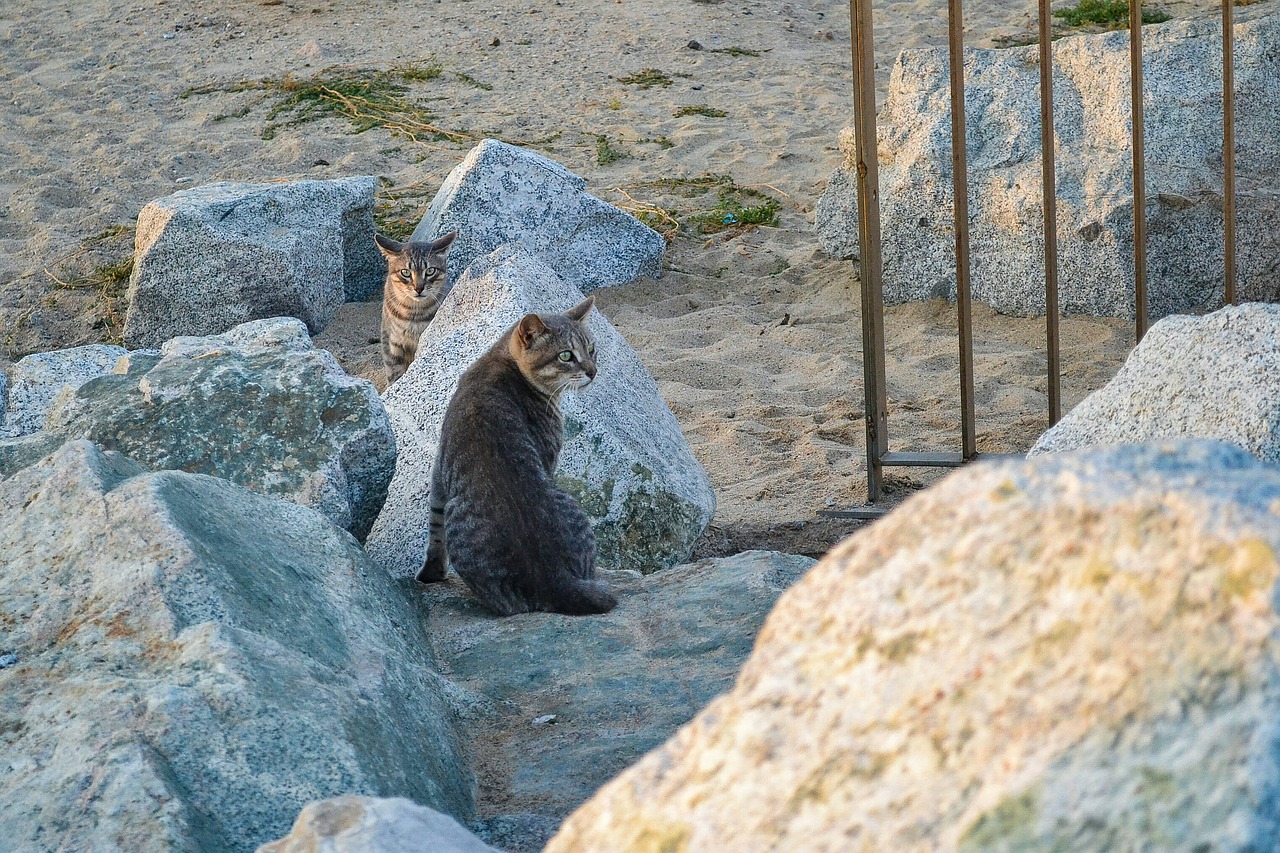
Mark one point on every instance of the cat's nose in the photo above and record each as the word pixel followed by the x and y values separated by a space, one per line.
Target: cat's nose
pixel 590 370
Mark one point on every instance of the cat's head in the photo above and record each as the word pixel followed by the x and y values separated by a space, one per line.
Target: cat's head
pixel 556 352
pixel 416 268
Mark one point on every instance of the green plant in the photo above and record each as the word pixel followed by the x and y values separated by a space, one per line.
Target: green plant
pixel 1106 13
pixel 606 153
pixel 735 51
pixel 736 208
pixel 700 110
pixel 646 79
pixel 614 103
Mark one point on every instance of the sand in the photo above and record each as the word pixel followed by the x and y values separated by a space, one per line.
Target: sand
pixel 753 336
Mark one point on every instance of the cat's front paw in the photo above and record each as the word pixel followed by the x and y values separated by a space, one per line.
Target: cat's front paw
pixel 433 570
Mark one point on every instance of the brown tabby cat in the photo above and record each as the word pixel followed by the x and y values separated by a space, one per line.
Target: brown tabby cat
pixel 415 285
pixel 519 541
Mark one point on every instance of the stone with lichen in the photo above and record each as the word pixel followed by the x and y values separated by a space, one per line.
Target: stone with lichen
pixel 1075 652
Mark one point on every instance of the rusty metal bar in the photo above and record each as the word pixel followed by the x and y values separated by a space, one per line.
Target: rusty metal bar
pixel 960 188
pixel 870 264
pixel 1050 179
pixel 1139 172
pixel 1229 150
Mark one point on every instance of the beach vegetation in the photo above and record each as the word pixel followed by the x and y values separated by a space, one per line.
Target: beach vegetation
pixel 647 78
pixel 1112 14
pixel 700 110
pixel 606 153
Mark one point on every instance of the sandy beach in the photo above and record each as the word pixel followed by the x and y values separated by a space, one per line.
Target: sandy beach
pixel 753 335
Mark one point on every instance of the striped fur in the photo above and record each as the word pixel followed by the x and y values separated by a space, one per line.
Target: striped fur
pixel 517 539
pixel 410 297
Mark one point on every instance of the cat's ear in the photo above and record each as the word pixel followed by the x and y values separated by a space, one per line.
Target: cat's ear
pixel 387 246
pixel 442 244
pixel 529 327
pixel 579 312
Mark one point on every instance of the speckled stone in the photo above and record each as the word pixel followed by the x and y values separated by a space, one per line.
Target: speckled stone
pixel 259 406
pixel 1216 376
pixel 373 825
pixel 212 257
pixel 503 194
pixel 624 457
pixel 196 662
pixel 1182 63
pixel 1074 652
pixel 40 378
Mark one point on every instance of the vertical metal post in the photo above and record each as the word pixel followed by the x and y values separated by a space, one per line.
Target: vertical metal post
pixel 1049 172
pixel 1139 171
pixel 873 369
pixel 960 188
pixel 1229 149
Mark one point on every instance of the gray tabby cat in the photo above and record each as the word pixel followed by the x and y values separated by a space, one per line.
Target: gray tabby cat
pixel 519 541
pixel 415 285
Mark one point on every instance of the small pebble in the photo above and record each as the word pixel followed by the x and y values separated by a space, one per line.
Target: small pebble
pixel 8 660
pixel 694 44
pixel 495 41
pixel 545 719
pixel 321 162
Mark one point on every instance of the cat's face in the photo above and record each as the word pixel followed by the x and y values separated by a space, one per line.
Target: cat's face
pixel 556 352
pixel 416 270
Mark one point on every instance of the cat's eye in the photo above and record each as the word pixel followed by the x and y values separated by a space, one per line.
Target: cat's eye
pixel 406 275
pixel 432 270
pixel 566 356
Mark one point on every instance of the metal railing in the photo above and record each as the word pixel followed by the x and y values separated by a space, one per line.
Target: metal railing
pixel 871 263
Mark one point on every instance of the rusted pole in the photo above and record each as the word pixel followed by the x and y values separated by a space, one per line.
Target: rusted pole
pixel 960 188
pixel 1229 150
pixel 1139 172
pixel 1050 179
pixel 870 265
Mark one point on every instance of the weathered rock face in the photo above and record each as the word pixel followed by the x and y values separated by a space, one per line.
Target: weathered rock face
pixel 1191 377
pixel 617 685
pixel 1072 653
pixel 195 662
pixel 624 457
pixel 1183 85
pixel 210 258
pixel 259 406
pixel 39 378
pixel 503 194
pixel 373 825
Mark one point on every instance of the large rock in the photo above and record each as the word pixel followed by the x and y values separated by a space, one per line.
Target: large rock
pixel 624 457
pixel 41 377
pixel 196 662
pixel 210 258
pixel 562 704
pixel 1072 653
pixel 259 406
pixel 373 825
pixel 1191 377
pixel 1183 114
pixel 503 194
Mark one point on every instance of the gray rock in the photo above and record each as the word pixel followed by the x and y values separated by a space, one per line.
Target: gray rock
pixel 210 258
pixel 618 684
pixel 259 406
pixel 372 825
pixel 41 377
pixel 1183 84
pixel 4 391
pixel 1075 652
pixel 624 457
pixel 517 833
pixel 503 194
pixel 197 662
pixel 1216 377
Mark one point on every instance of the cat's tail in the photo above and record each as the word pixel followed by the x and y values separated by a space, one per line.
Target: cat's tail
pixel 583 598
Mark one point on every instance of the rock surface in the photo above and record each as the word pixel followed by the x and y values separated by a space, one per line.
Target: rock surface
pixel 1183 120
pixel 259 406
pixel 373 825
pixel 39 378
pixel 1216 376
pixel 503 194
pixel 195 662
pixel 624 457
pixel 210 258
pixel 561 704
pixel 1079 654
